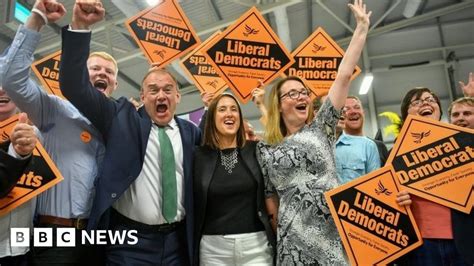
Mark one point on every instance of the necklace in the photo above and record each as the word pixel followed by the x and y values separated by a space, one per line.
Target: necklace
pixel 229 160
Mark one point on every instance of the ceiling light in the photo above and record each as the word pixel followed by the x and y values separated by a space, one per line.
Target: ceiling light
pixel 366 83
pixel 152 2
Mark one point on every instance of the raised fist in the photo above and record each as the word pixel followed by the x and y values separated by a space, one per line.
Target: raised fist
pixel 51 9
pixel 86 13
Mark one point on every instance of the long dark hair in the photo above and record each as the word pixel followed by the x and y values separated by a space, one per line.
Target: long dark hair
pixel 211 138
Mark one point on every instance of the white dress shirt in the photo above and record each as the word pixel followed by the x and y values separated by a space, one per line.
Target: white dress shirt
pixel 142 200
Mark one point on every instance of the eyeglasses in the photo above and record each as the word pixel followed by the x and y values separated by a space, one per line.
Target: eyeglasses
pixel 420 102
pixel 294 94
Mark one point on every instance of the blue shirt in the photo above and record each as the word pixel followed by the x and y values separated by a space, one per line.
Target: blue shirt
pixel 63 128
pixel 355 157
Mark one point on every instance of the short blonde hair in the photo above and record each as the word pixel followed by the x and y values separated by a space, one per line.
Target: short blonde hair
pixel 464 101
pixel 107 57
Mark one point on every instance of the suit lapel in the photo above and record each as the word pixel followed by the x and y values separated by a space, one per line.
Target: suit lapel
pixel 145 128
pixel 208 168
pixel 188 146
pixel 248 158
pixel 185 138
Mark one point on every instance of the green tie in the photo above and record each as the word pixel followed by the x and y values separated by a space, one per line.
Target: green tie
pixel 168 177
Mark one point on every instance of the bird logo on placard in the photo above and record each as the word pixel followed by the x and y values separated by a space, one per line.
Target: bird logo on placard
pixel 419 136
pixel 317 48
pixel 160 53
pixel 212 83
pixel 4 136
pixel 381 189
pixel 249 31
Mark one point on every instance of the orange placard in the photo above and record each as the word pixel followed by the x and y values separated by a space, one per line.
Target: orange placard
pixel 198 68
pixel 434 160
pixel 38 176
pixel 246 52
pixel 47 71
pixel 317 60
pixel 374 229
pixel 163 32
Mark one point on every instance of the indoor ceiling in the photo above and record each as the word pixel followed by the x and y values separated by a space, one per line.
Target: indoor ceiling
pixel 432 47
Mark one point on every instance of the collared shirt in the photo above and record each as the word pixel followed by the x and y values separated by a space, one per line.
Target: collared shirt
pixel 22 216
pixel 142 200
pixel 71 141
pixel 355 157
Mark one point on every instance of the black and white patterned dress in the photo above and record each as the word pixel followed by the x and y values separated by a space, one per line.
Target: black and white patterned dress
pixel 300 169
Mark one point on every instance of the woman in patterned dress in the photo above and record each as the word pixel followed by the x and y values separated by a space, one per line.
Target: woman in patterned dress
pixel 297 160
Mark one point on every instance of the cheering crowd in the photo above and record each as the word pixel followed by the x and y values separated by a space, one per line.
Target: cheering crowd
pixel 209 195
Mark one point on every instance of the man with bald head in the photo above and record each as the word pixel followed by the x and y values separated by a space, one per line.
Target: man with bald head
pixel 145 183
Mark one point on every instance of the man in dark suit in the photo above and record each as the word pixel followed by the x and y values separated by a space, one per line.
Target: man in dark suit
pixel 134 189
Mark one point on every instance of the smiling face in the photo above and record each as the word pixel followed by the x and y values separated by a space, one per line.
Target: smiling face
pixel 294 112
pixel 7 107
pixel 160 96
pixel 462 115
pixel 102 74
pixel 354 117
pixel 425 105
pixel 227 119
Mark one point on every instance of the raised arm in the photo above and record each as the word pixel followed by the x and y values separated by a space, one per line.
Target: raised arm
pixel 206 98
pixel 44 12
pixel 258 97
pixel 340 88
pixel 74 80
pixel 16 62
pixel 468 89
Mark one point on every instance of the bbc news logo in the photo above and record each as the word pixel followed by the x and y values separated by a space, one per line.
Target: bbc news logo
pixel 66 237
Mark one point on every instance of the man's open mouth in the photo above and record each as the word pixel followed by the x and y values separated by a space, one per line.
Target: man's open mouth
pixel 161 108
pixel 353 118
pixel 100 85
